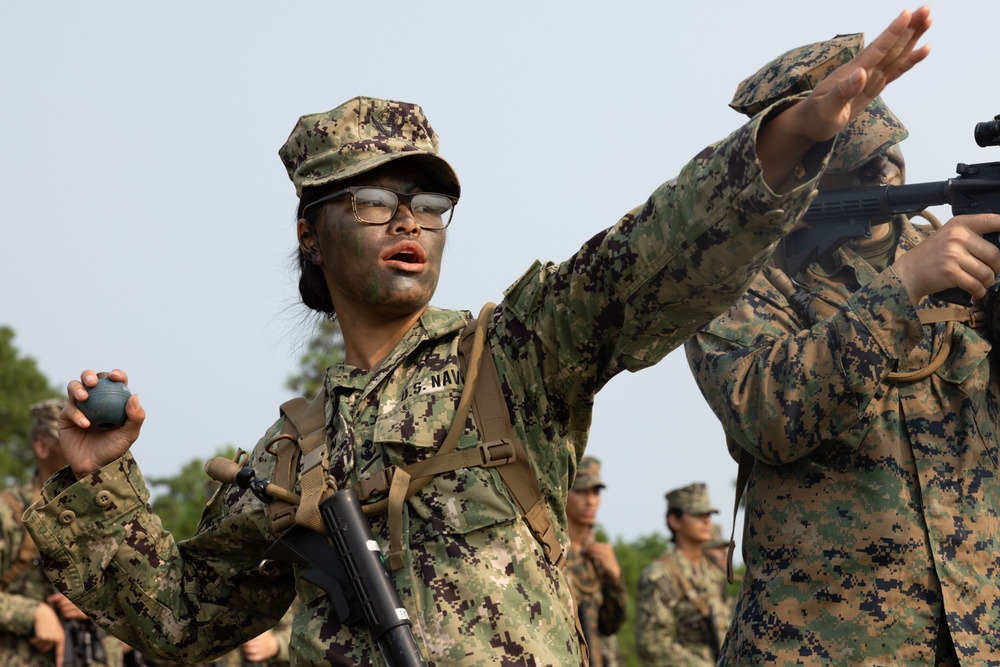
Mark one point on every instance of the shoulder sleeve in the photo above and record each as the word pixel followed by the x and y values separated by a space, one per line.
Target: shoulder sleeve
pixel 107 551
pixel 762 372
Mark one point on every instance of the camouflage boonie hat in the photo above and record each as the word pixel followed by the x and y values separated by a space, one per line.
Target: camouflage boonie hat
pixel 691 499
pixel 798 71
pixel 45 416
pixel 358 136
pixel 588 475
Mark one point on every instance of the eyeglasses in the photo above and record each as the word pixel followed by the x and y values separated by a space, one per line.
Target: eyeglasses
pixel 377 206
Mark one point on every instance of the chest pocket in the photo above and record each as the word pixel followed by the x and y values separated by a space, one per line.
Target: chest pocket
pixel 453 502
pixel 969 370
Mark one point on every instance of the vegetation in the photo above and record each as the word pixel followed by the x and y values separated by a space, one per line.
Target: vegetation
pixel 324 349
pixel 21 384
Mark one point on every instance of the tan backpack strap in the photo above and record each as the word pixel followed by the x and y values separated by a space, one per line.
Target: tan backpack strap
pixel 975 317
pixel 398 493
pixel 306 423
pixel 493 419
pixel 502 450
pixel 26 554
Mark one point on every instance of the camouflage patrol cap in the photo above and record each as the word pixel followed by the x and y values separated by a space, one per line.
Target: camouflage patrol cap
pixel 358 136
pixel 799 70
pixel 45 417
pixel 691 499
pixel 588 475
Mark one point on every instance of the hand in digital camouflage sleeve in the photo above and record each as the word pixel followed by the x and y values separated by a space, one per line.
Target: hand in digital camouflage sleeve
pixel 88 450
pixel 841 96
pixel 956 255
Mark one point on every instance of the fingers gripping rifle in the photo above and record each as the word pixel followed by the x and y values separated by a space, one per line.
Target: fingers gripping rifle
pixel 838 216
pixel 347 564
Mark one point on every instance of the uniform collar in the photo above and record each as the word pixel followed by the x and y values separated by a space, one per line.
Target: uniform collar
pixel 434 323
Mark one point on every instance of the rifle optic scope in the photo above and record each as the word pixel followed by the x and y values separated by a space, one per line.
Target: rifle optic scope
pixel 988 133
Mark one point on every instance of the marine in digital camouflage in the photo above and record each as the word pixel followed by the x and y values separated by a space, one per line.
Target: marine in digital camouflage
pixel 23 584
pixel 871 533
pixel 475 583
pixel 600 598
pixel 682 608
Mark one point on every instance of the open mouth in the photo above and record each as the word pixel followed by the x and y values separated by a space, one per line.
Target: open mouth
pixel 405 256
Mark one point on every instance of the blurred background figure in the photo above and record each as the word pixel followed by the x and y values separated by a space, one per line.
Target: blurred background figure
pixel 38 626
pixel 682 606
pixel 594 575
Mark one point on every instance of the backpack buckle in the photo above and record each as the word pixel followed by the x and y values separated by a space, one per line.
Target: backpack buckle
pixel 376 484
pixel 497 453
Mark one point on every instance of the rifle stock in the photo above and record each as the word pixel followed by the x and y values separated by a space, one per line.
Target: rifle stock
pixel 839 216
pixel 349 567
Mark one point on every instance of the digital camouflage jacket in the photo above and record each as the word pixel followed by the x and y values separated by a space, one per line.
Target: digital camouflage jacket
pixel 475 583
pixel 672 602
pixel 871 531
pixel 20 600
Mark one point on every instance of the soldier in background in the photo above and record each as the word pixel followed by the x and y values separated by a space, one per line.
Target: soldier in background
pixel 682 608
pixel 595 578
pixel 39 627
pixel 866 409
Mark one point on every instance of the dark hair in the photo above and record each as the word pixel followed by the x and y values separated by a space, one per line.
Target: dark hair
pixel 312 283
pixel 673 511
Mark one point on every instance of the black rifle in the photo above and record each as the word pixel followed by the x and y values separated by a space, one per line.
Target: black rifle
pixel 348 566
pixel 838 216
pixel 83 644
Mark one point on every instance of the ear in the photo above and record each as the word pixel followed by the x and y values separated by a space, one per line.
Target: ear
pixel 308 243
pixel 42 446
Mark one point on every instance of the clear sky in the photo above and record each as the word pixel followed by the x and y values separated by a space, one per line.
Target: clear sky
pixel 148 222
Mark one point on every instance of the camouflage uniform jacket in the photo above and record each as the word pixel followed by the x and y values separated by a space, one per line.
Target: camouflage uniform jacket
pixel 669 613
pixel 475 583
pixel 871 523
pixel 20 600
pixel 600 601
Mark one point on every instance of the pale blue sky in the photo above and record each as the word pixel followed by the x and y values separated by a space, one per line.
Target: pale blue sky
pixel 147 221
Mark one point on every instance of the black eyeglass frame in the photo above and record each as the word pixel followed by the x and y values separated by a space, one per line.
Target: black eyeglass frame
pixel 401 197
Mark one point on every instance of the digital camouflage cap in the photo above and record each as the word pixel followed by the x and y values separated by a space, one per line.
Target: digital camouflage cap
pixel 588 475
pixel 45 417
pixel 691 499
pixel 358 136
pixel 799 70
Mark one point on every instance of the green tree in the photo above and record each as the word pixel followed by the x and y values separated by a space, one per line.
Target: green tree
pixel 21 384
pixel 179 500
pixel 324 349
